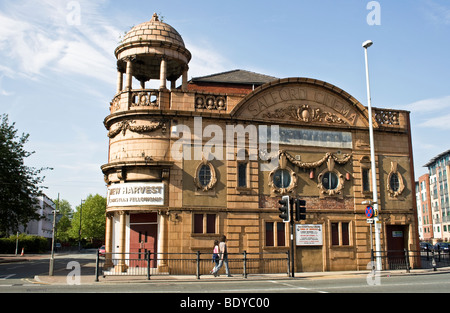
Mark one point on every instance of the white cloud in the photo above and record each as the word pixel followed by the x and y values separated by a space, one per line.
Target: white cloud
pixel 36 44
pixel 81 58
pixel 206 60
pixel 441 122
pixel 430 105
pixel 431 113
pixel 437 13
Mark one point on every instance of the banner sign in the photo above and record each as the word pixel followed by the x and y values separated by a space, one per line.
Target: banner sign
pixel 135 194
pixel 308 235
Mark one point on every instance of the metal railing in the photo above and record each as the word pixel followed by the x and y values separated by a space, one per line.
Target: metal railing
pixel 198 264
pixel 408 259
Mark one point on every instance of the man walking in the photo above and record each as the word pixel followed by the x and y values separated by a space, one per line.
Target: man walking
pixel 223 253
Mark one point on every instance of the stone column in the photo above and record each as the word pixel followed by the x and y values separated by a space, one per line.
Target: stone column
pixel 184 80
pixel 122 267
pixel 163 74
pixel 129 74
pixel 119 80
pixel 108 240
pixel 162 265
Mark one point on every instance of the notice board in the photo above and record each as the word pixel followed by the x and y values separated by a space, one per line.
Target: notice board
pixel 308 235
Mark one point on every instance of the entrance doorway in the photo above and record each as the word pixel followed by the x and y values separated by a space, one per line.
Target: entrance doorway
pixel 309 259
pixel 143 238
pixel 397 237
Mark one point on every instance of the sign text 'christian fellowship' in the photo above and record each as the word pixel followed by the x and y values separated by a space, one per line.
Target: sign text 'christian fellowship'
pixel 136 194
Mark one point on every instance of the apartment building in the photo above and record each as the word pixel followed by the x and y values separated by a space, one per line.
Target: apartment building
pixel 437 199
pixel 44 226
pixel 424 213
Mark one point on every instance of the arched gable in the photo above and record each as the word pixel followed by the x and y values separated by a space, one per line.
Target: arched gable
pixel 302 101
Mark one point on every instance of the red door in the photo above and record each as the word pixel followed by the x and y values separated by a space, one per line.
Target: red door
pixel 396 243
pixel 143 239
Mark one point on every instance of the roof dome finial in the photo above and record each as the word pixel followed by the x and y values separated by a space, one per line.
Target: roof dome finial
pixel 155 18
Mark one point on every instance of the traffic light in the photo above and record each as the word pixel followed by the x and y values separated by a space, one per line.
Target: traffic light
pixel 285 209
pixel 300 210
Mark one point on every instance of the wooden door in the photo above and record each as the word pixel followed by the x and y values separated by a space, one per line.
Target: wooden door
pixel 397 237
pixel 143 239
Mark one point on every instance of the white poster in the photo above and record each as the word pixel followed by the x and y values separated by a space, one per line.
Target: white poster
pixel 135 194
pixel 308 235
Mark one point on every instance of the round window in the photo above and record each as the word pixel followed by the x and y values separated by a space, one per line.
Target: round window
pixel 282 178
pixel 204 175
pixel 330 180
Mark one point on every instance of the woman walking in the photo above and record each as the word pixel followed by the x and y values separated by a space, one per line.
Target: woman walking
pixel 223 253
pixel 215 258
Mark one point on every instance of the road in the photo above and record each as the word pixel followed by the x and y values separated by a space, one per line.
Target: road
pixel 17 276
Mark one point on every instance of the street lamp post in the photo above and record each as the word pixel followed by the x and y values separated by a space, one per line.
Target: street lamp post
pixel 52 256
pixel 366 45
pixel 79 229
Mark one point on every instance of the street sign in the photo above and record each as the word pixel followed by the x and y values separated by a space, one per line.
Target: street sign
pixel 369 211
pixel 370 221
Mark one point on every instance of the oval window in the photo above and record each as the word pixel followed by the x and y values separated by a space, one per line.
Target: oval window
pixel 204 175
pixel 394 182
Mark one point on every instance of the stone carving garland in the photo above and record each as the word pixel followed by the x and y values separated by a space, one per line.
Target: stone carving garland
pixel 305 114
pixel 310 165
pixel 329 158
pixel 127 125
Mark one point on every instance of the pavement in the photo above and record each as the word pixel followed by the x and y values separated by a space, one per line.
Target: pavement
pixel 61 276
pixel 10 258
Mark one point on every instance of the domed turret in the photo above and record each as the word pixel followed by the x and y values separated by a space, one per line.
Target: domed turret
pixel 153 50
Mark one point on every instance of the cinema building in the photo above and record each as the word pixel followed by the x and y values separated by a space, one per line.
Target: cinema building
pixel 192 160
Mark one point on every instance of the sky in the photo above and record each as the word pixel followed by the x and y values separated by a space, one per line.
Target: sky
pixel 58 69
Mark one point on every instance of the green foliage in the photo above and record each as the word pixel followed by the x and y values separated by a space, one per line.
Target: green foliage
pixel 19 184
pixel 30 244
pixel 65 223
pixel 93 220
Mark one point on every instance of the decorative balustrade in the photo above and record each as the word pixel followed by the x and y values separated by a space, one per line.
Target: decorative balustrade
pixel 387 117
pixel 135 98
pixel 210 102
pixel 145 98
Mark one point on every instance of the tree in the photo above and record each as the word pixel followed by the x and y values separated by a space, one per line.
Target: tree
pixel 64 224
pixel 19 184
pixel 92 219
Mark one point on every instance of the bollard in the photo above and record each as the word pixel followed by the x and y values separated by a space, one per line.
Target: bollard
pixel 245 264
